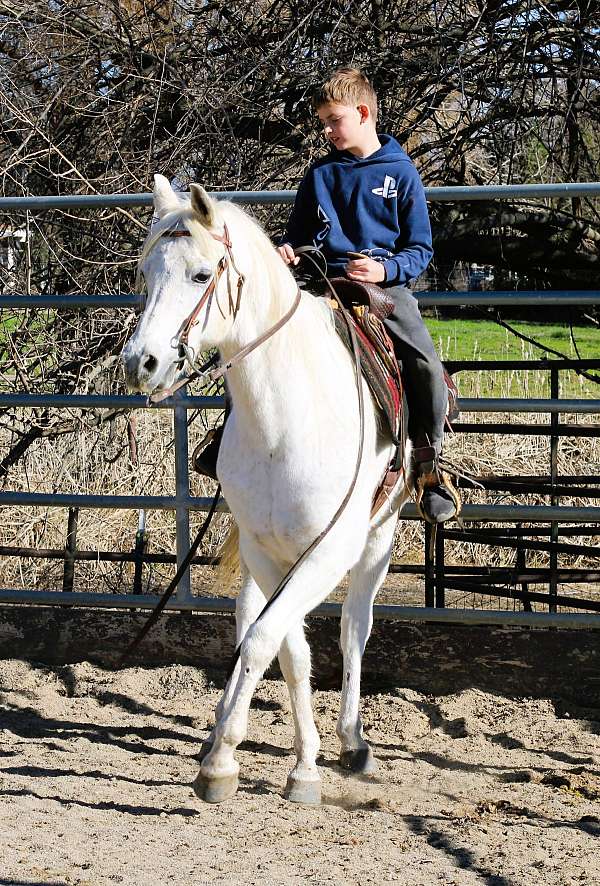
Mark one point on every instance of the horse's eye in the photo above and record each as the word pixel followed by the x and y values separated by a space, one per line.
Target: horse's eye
pixel 202 277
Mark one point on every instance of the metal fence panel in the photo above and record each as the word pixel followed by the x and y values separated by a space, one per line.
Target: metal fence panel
pixel 182 502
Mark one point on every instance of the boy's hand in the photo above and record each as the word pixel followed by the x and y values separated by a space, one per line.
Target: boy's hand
pixel 365 270
pixel 288 254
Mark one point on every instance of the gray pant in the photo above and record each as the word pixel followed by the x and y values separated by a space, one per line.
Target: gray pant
pixel 422 371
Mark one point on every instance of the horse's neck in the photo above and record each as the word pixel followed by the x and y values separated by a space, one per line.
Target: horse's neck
pixel 276 385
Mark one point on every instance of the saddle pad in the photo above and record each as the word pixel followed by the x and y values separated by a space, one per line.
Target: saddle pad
pixel 378 362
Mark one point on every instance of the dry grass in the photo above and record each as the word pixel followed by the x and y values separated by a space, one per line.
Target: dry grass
pixel 96 461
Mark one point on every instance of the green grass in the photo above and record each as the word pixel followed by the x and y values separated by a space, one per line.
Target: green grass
pixel 467 339
pixel 486 340
pixel 8 324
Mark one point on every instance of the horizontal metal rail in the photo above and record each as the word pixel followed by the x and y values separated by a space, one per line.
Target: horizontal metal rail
pixel 508 297
pixel 103 502
pixel 436 195
pixel 416 614
pixel 541 365
pixel 509 404
pixel 468 193
pixel 424 297
pixel 526 532
pixel 137 401
pixel 524 430
pixel 114 201
pixel 495 513
pixel 107 401
pixel 100 556
pixel 527 575
pixel 69 302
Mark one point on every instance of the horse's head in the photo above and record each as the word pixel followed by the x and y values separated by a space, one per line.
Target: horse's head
pixel 194 279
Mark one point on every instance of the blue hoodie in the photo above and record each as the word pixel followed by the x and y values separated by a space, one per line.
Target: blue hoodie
pixel 375 205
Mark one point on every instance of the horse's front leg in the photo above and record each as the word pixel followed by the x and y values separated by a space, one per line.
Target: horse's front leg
pixel 218 777
pixel 357 618
pixel 309 586
pixel 248 604
pixel 304 781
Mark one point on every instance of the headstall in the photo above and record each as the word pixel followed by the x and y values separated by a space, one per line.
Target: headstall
pixel 225 262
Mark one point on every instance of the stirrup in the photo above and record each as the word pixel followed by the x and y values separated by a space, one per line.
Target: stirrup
pixel 204 459
pixel 433 476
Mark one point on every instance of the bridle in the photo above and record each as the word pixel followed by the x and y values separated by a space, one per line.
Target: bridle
pixel 181 340
pixel 226 262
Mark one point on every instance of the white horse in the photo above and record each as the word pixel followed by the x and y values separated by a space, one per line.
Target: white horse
pixel 287 458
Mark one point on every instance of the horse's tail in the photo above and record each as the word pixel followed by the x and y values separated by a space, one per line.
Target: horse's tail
pixel 228 570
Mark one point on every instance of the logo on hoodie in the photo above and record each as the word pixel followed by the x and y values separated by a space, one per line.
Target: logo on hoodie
pixel 388 189
pixel 325 229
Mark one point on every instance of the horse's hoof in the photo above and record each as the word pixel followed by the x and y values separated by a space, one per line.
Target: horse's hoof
pixel 361 761
pixel 307 792
pixel 205 749
pixel 215 790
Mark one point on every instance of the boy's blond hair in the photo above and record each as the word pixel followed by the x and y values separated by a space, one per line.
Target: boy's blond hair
pixel 347 86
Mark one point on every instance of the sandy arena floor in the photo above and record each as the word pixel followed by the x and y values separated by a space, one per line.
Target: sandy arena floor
pixel 472 789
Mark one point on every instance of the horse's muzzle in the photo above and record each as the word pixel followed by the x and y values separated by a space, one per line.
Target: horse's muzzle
pixel 143 371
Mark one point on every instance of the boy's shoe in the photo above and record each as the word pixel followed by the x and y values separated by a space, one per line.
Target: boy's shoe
pixel 436 498
pixel 204 457
pixel 436 504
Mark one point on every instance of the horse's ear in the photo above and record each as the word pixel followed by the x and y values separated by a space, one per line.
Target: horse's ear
pixel 165 198
pixel 203 206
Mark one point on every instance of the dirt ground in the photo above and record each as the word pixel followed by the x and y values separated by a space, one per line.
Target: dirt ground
pixel 472 789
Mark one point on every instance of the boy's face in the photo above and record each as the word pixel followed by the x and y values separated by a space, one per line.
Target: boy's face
pixel 347 128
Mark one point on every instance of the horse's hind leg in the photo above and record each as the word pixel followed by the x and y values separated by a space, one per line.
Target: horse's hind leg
pixel 357 618
pixel 304 781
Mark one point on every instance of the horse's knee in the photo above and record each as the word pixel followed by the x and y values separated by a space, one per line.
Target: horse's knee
pixel 259 648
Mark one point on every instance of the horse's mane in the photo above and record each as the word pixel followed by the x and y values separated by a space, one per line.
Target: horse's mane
pixel 266 259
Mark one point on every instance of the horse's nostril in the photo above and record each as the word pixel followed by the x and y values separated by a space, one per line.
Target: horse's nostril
pixel 150 363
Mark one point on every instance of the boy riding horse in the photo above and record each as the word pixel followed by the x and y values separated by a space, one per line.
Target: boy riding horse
pixel 363 206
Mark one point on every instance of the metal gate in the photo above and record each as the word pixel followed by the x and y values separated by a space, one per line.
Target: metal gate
pixel 439 577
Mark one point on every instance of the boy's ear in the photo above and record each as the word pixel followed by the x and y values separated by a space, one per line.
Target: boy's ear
pixel 165 198
pixel 365 113
pixel 203 206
